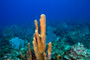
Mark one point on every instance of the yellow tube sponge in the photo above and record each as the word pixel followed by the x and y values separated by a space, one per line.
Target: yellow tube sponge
pixel 39 42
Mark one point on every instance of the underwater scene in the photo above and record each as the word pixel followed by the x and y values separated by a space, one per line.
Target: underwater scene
pixel 44 30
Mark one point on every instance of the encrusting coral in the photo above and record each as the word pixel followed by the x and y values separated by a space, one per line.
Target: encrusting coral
pixel 77 52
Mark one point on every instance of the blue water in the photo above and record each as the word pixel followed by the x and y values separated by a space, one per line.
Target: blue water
pixel 68 22
pixel 19 12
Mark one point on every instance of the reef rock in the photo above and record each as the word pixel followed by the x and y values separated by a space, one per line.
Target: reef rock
pixel 77 52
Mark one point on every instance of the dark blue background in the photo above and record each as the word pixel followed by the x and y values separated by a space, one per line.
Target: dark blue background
pixel 26 11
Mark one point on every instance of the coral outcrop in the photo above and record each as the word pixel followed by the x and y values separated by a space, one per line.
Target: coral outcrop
pixel 77 52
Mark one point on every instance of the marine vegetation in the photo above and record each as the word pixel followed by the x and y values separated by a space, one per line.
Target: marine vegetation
pixel 61 43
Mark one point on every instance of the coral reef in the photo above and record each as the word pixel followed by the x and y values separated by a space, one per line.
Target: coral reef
pixel 17 31
pixel 58 43
pixel 77 52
